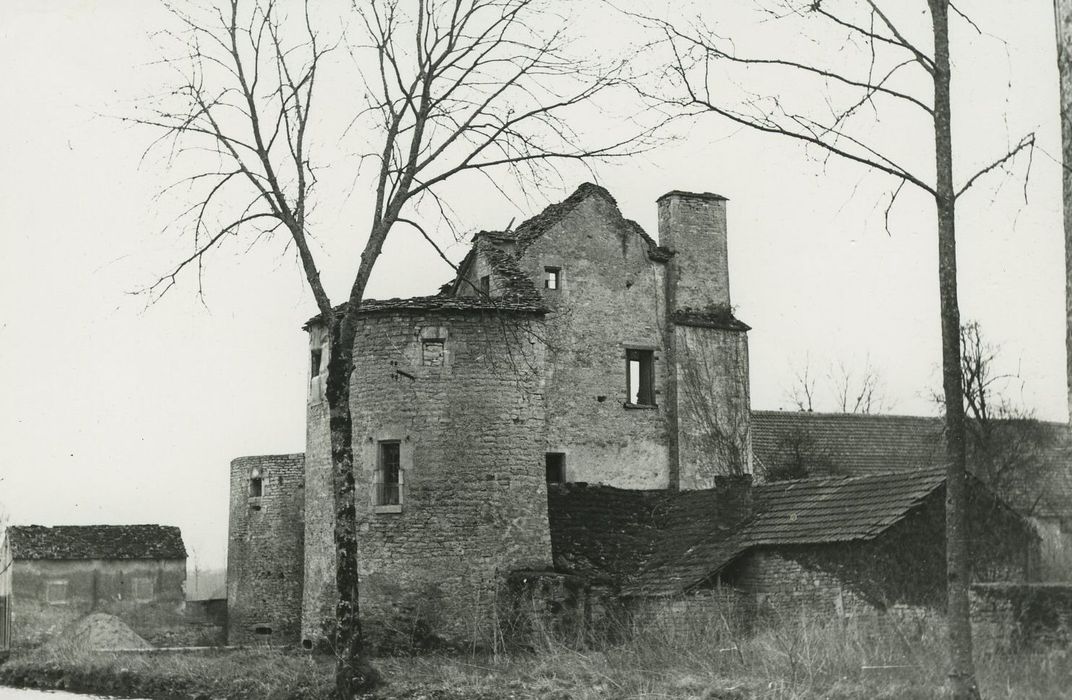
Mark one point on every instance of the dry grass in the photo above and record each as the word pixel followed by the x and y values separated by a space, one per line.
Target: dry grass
pixel 695 657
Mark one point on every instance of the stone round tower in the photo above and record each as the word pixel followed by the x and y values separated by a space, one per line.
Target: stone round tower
pixel 448 453
pixel 264 553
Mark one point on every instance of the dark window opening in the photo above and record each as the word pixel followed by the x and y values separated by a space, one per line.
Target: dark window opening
pixel 256 484
pixel 555 463
pixel 307 644
pixel 432 352
pixel 485 285
pixel 552 277
pixel 640 377
pixel 390 472
pixel 315 356
pixel 262 629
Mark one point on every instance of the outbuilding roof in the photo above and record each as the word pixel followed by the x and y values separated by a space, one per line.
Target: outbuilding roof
pixel 663 542
pixel 1036 477
pixel 72 542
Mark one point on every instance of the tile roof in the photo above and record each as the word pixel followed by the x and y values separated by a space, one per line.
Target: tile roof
pixel 804 511
pixel 836 509
pixel 860 443
pixel 96 542
pixel 855 444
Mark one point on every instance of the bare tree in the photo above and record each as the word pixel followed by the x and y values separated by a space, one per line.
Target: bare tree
pixel 802 392
pixel 877 81
pixel 1008 447
pixel 453 88
pixel 851 390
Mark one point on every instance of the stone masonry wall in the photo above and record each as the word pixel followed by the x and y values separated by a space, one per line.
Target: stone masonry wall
pixel 784 586
pixel 693 225
pixel 713 405
pixel 611 297
pixel 264 553
pixel 48 595
pixel 318 597
pixel 473 498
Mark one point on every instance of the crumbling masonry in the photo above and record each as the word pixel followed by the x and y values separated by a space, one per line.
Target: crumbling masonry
pixel 574 348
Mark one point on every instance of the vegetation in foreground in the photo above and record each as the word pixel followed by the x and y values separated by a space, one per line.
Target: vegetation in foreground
pixel 697 658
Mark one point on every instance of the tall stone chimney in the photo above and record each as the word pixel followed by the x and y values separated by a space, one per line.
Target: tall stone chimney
pixel 708 401
pixel 693 226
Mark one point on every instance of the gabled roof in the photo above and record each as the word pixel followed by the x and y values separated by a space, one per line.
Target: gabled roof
pixel 663 542
pixel 789 513
pixel 837 509
pixel 73 542
pixel 856 444
pixel 529 230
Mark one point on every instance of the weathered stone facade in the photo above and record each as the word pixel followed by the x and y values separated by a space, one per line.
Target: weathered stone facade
pixel 574 348
pixel 51 577
pixel 265 553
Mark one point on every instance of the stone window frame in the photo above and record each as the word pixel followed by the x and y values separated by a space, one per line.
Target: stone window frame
pixel 638 352
pixel 433 334
pixel 138 586
pixel 426 357
pixel 319 354
pixel 53 584
pixel 378 506
pixel 552 273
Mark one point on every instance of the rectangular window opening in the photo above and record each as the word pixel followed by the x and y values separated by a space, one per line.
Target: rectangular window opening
pixel 388 486
pixel 485 285
pixel 640 377
pixel 432 352
pixel 315 356
pixel 56 592
pixel 143 589
pixel 552 278
pixel 555 463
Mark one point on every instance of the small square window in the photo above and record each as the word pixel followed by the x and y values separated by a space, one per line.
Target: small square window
pixel 56 592
pixel 640 377
pixel 143 589
pixel 485 285
pixel 555 463
pixel 389 474
pixel 552 278
pixel 432 352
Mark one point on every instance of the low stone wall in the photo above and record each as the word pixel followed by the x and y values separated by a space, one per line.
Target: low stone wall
pixel 1022 613
pixel 547 605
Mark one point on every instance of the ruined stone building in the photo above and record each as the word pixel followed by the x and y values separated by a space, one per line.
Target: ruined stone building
pixel 52 576
pixel 573 350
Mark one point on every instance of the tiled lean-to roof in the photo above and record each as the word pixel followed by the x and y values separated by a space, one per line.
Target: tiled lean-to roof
pixel 662 542
pixel 96 542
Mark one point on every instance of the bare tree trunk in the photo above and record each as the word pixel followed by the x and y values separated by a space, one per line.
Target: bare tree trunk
pixel 1063 21
pixel 352 671
pixel 962 673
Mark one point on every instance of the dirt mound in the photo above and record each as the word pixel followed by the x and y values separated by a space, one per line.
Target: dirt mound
pixel 100 631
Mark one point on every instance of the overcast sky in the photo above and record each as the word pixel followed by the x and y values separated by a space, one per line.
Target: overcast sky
pixel 118 413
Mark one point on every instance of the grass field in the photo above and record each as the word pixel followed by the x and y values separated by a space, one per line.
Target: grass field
pixel 694 658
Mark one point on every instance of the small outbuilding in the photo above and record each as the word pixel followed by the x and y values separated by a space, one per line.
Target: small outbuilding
pixel 834 545
pixel 51 576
